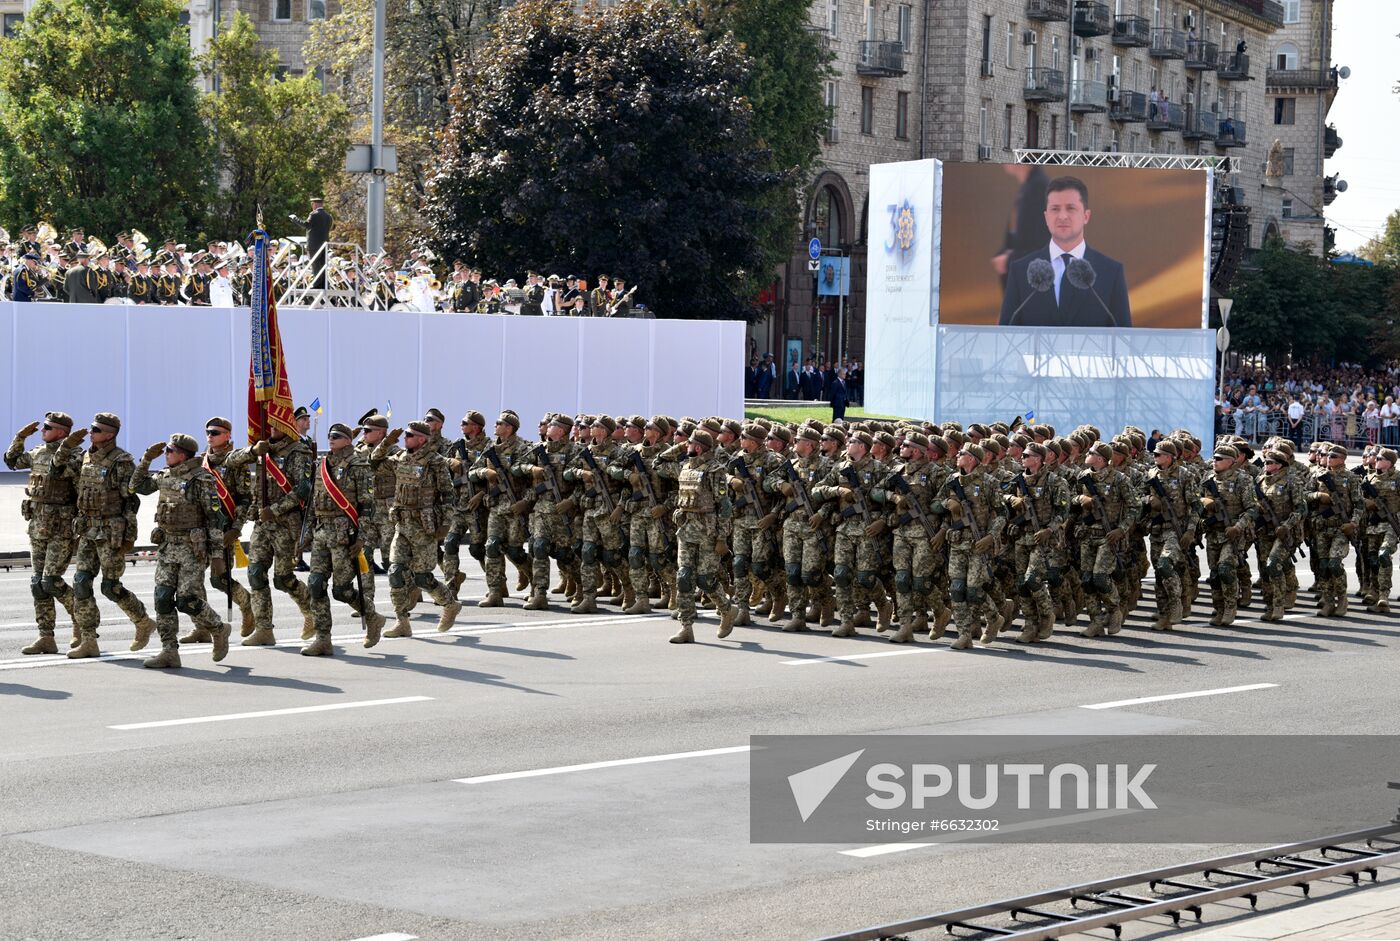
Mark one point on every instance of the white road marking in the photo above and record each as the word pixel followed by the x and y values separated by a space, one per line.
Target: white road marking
pixel 391 936
pixel 1205 692
pixel 594 765
pixel 328 707
pixel 861 656
pixel 885 849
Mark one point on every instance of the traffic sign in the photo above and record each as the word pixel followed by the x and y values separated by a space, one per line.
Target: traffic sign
pixel 814 265
pixel 814 249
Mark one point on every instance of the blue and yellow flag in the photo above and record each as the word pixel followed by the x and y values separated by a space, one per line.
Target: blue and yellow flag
pixel 269 392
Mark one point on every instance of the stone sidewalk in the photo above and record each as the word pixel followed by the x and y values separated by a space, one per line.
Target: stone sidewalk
pixel 1370 913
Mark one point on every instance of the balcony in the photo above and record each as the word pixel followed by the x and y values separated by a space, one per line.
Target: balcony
pixel 1132 31
pixel 1044 85
pixel 1165 116
pixel 1167 44
pixel 1231 132
pixel 1129 106
pixel 1301 78
pixel 1200 125
pixel 1048 11
pixel 822 36
pixel 1330 190
pixel 1331 141
pixel 1201 55
pixel 1092 18
pixel 1088 97
pixel 1233 67
pixel 879 57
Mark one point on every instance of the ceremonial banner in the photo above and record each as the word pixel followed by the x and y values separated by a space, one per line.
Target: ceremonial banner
pixel 269 392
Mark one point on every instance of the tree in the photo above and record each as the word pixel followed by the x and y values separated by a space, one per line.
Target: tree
pixel 1384 248
pixel 277 141
pixel 610 140
pixel 99 121
pixel 426 46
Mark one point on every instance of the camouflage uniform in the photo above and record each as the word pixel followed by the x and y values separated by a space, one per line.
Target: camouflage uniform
pixel 916 556
pixel 1039 503
pixel 468 511
pixel 1382 497
pixel 651 547
pixel 507 529
pixel 600 495
pixel 968 497
pixel 189 520
pixel 275 544
pixel 49 508
pixel 1171 492
pixel 335 543
pixel 701 500
pixel 752 531
pixel 805 542
pixel 1281 508
pixel 551 520
pixel 105 535
pixel 1103 530
pixel 856 553
pixel 379 533
pixel 239 484
pixel 1229 514
pixel 1337 507
pixel 422 498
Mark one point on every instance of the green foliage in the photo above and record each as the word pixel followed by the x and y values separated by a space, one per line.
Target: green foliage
pixel 99 122
pixel 1384 248
pixel 612 140
pixel 277 141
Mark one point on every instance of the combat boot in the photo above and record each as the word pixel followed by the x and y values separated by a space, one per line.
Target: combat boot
pixel 813 611
pixel 262 637
pixel 741 614
pixel 964 640
pixel 1325 607
pixel 1178 612
pixel 144 629
pixel 1291 597
pixel 779 601
pixel 765 608
pixel 221 637
pixel 167 659
pixel 641 606
pixel 1008 612
pixel 798 622
pixel 456 583
pixel 374 626
pixel 449 614
pixel 862 618
pixel 1163 622
pixel 1028 633
pixel 847 628
pixel 538 601
pixel 653 586
pixel 44 643
pixel 726 620
pixel 989 633
pixel 1229 612
pixel 940 623
pixel 197 636
pixel 885 614
pixel 586 604
pixel 1341 611
pixel 250 623
pixel 1246 597
pixel 757 590
pixel 319 647
pixel 522 578
pixel 87 648
pixel 905 633
pixel 629 596
pixel 683 636
pixel 828 616
pixel 559 588
pixel 1383 606
pixel 401 628
pixel 1115 621
pixel 1217 609
pixel 308 626
pixel 492 599
pixel 1045 624
pixel 77 637
pixel 1093 630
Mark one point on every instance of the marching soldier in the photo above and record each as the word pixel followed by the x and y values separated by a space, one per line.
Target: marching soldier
pixel 905 493
pixel 106 531
pixel 1382 492
pixel 973 501
pixel 422 497
pixel 1039 503
pixel 49 508
pixel 1228 505
pixel 1108 507
pixel 468 514
pixel 378 531
pixel 342 500
pixel 701 499
pixel 602 515
pixel 1281 507
pixel 1173 498
pixel 649 555
pixel 804 526
pixel 234 489
pixel 1337 508
pixel 506 509
pixel 753 530
pixel 551 523
pixel 189 520
pixel 849 483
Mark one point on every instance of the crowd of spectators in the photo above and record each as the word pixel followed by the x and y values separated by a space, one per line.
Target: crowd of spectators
pixel 1347 403
pixel 812 381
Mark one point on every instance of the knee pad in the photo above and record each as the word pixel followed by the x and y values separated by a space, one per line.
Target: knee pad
pixel 658 562
pixel 398 576
pixel 477 550
pixel 452 543
pixel 760 569
pixel 493 549
pixel 112 589
pixel 685 578
pixel 82 585
pixel 1273 570
pixel 636 557
pixel 812 579
pixel 741 566
pixel 843 576
pixel 36 588
pixel 565 555
pixel 958 589
pixel 165 599
pixel 1056 577
pixel 610 557
pixel 1383 560
pixel 425 580
pixel 539 547
pixel 1336 568
pixel 220 582
pixel 189 604
pixel 1164 568
pixel 904 581
pixel 1101 584
pixel 53 584
pixel 284 582
pixel 706 582
pixel 1227 575
pixel 975 595
pixel 794 574
pixel 316 584
pixel 257 576
pixel 344 593
pixel 923 584
pixel 589 553
pixel 1030 584
pixel 866 579
pixel 1213 580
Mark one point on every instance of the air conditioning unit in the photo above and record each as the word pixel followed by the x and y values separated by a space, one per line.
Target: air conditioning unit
pixel 984 151
pixel 1028 38
pixel 1112 94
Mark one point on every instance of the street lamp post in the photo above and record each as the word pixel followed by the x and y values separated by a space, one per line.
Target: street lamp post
pixel 1222 343
pixel 374 204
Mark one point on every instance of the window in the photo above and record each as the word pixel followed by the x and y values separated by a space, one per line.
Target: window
pixel 982 125
pixel 1288 161
pixel 282 10
pixel 833 102
pixel 1073 135
pixel 901 115
pixel 280 73
pixel 1284 109
pixel 1006 126
pixel 1292 11
pixel 1156 13
pixel 1010 44
pixel 1115 142
pixel 1135 142
pixel 1287 56
pixel 1094 137
pixel 870 20
pixel 1032 128
pixel 1054 131
pixel 1287 209
pixel 1054 52
pixel 315 9
pixel 986 40
pixel 833 16
pixel 867 110
pixel 12 21
pixel 906 25
pixel 826 216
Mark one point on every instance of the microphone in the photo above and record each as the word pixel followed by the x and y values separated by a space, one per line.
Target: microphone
pixel 1081 274
pixel 1040 275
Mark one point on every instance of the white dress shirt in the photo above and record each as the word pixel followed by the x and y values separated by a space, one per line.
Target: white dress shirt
pixel 1058 263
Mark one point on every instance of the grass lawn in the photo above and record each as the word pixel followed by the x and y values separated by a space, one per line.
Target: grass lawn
pixel 796 414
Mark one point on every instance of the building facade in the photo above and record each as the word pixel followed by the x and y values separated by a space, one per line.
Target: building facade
pixel 975 80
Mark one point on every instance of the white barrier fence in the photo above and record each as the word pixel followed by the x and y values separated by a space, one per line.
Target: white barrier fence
pixel 168 369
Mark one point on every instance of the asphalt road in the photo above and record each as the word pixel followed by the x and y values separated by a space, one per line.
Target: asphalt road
pixel 351 819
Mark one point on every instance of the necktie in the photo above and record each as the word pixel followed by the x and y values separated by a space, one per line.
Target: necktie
pixel 1065 258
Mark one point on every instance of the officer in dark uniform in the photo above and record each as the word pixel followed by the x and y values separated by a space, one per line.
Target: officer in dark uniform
pixel 533 305
pixel 318 233
pixel 29 278
pixel 197 285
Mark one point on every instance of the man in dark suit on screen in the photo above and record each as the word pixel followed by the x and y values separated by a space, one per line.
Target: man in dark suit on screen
pixel 1088 289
